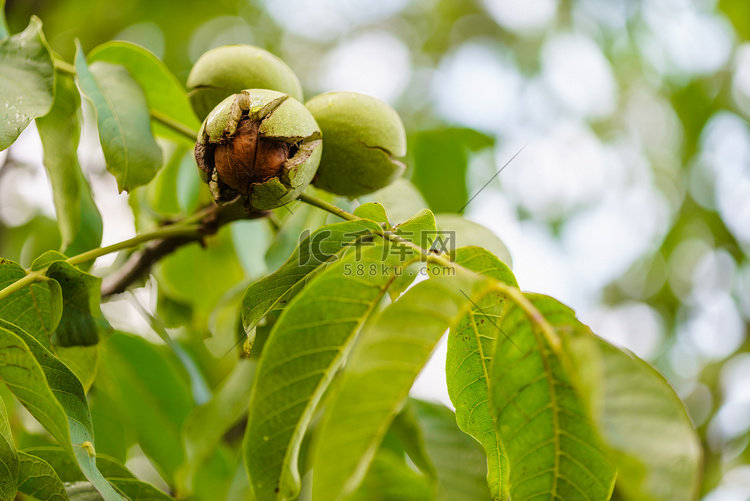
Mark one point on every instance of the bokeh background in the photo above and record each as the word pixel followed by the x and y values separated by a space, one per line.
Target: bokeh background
pixel 629 199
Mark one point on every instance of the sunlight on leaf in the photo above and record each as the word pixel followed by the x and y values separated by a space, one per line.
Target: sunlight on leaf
pixel 471 347
pixel 377 379
pixel 308 344
pixel 552 443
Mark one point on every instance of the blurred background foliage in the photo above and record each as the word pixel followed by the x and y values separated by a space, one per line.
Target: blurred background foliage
pixel 630 199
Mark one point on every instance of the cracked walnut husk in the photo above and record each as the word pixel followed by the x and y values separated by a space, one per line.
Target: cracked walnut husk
pixel 260 145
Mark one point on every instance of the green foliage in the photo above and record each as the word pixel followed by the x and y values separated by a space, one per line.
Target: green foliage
pixel 151 394
pixel 38 479
pixel 132 154
pixel 339 320
pixel 81 316
pixel 471 345
pixel 641 419
pixel 292 375
pixel 322 247
pixel 441 160
pixel 163 92
pixel 27 81
pixel 54 396
pixel 459 461
pixel 377 380
pixel 200 275
pixel 552 444
pixel 78 218
pixel 76 485
pixel 393 479
pixel 36 309
pixel 9 461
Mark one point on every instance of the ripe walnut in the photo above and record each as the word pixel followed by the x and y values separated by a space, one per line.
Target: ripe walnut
pixel 261 145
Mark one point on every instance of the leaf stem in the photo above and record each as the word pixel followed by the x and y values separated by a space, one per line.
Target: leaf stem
pixel 32 277
pixel 329 207
pixel 514 293
pixel 177 230
pixel 64 67
pixel 165 119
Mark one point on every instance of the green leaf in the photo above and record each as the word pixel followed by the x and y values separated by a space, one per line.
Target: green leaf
pixel 408 431
pixel 391 479
pixel 77 216
pixel 153 393
pixel 3 25
pixel 441 158
pixel 136 490
pixel 316 251
pixel 467 233
pixel 82 360
pixel 114 435
pixel 200 275
pixel 419 229
pixel 115 473
pixel 26 379
pixel 130 150
pixel 377 378
pixel 471 346
pixel 39 480
pixel 9 465
pixel 163 91
pixel 552 443
pixel 68 470
pixel 373 211
pixel 459 461
pixel 400 199
pixel 27 81
pixel 36 309
pixel 81 317
pixel 162 192
pixel 206 425
pixel 82 491
pixel 307 345
pixel 641 419
pixel 54 396
pixel 738 12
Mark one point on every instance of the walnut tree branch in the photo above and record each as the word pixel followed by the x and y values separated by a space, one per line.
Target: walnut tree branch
pixel 140 263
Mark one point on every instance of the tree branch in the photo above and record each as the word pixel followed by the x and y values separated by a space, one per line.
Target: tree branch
pixel 139 264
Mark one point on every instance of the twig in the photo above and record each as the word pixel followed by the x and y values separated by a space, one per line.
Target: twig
pixel 140 264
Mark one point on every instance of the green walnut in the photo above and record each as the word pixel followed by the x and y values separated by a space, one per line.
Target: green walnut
pixel 363 137
pixel 229 69
pixel 260 145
